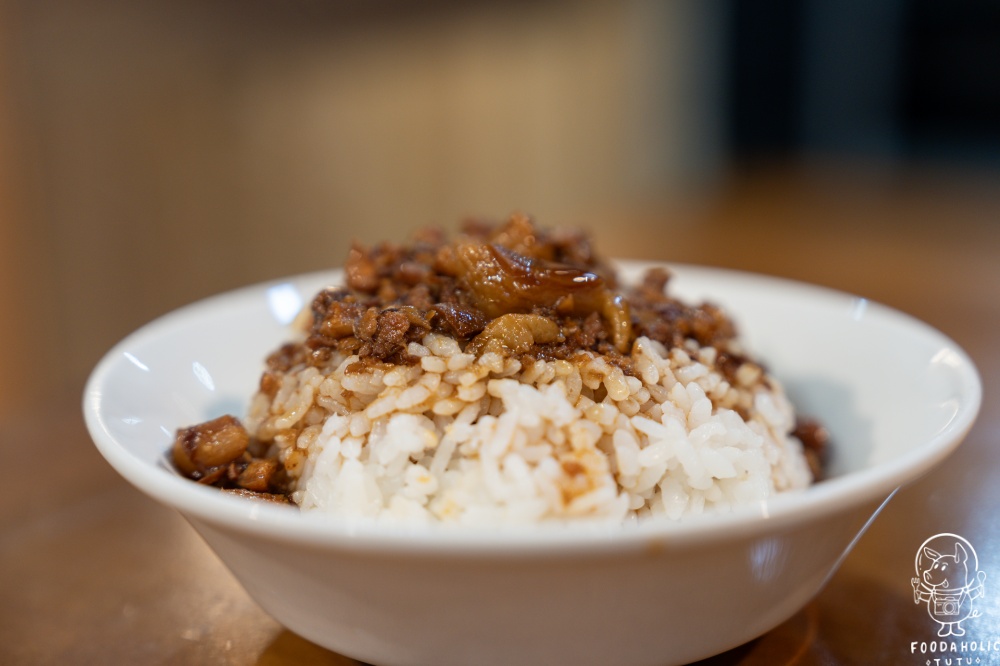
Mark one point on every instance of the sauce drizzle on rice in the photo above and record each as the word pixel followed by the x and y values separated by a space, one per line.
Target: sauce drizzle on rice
pixel 505 376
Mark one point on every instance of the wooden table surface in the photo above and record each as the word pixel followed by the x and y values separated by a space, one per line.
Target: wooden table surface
pixel 93 572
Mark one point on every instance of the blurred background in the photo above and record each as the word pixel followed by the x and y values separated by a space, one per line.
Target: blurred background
pixel 157 152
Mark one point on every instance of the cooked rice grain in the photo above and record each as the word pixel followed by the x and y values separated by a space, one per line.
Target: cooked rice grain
pixel 457 438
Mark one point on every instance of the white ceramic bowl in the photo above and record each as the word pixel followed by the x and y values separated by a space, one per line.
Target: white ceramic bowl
pixel 897 395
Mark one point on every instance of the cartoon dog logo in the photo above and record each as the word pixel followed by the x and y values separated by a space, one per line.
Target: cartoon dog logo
pixel 948 580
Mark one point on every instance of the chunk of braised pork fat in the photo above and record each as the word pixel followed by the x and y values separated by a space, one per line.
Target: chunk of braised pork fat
pixel 412 273
pixel 520 234
pixel 815 442
pixel 201 450
pixel 360 272
pixel 462 321
pixel 385 334
pixel 335 312
pixel 390 335
pixel 615 310
pixel 500 281
pixel 513 334
pixel 258 475
pixel 419 297
pixel 366 326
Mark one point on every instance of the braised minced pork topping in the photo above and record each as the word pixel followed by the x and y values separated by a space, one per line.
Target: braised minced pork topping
pixel 511 288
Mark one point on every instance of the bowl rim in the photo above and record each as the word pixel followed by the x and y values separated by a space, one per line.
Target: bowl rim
pixel 869 486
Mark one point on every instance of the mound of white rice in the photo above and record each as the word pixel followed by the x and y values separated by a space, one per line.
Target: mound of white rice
pixel 461 439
